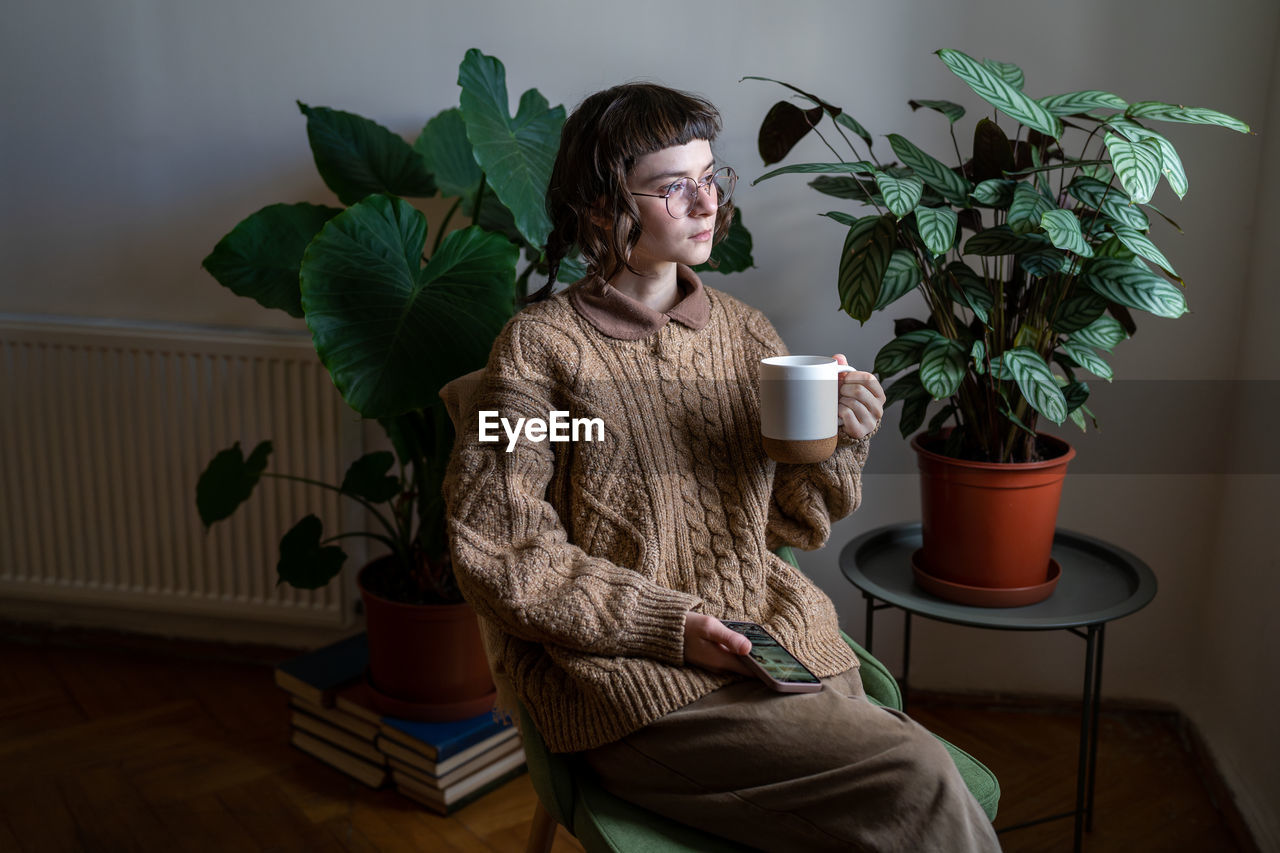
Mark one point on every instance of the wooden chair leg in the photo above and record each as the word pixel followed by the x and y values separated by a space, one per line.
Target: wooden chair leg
pixel 543 831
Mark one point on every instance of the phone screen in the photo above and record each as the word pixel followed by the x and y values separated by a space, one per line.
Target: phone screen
pixel 775 660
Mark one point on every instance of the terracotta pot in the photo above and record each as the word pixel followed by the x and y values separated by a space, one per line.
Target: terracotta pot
pixel 990 525
pixel 426 661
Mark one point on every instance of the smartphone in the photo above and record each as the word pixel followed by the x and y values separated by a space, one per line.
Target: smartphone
pixel 774 665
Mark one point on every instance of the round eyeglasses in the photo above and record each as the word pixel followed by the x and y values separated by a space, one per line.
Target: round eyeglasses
pixel 682 195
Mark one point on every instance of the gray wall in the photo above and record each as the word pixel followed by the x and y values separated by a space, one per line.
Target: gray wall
pixel 137 132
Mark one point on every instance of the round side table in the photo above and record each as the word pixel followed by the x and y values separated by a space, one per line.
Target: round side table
pixel 1100 583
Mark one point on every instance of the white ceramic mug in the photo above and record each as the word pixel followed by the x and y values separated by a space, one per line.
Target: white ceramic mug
pixel 799 406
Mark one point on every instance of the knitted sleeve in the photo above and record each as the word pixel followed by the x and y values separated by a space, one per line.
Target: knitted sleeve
pixel 511 553
pixel 806 499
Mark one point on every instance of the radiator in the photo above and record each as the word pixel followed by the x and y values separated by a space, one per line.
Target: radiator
pixel 104 430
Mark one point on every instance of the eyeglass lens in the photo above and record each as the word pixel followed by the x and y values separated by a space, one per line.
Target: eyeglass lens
pixel 684 193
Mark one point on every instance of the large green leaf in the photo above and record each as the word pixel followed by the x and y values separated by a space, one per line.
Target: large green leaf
pixel 900 194
pixel 305 562
pixel 1140 244
pixel 229 480
pixel 1006 71
pixel 357 157
pixel 971 289
pixel 1137 165
pixel 390 331
pixel 1170 163
pixel 1075 103
pixel 954 188
pixel 1135 287
pixel 1064 232
pixel 942 367
pixel 1078 311
pixel 858 167
pixel 733 253
pixel 517 153
pixel 995 192
pixel 903 351
pixel 1103 333
pixel 1188 115
pixel 902 274
pixel 863 263
pixel 1113 202
pixel 1044 262
pixel 841 186
pixel 1087 358
pixel 1036 382
pixel 953 111
pixel 447 153
pixel 260 257
pixel 937 227
pixel 995 90
pixel 1027 208
pixel 1002 240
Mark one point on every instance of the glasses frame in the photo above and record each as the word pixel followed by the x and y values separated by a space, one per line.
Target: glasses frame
pixel 706 183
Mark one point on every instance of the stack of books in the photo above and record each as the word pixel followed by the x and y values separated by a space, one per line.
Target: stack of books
pixel 443 766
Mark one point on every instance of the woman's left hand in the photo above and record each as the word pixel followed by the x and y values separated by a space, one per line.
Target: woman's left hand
pixel 861 401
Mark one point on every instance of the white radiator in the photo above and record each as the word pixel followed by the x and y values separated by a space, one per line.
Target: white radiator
pixel 104 430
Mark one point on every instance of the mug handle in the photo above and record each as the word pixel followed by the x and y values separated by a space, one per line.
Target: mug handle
pixel 841 368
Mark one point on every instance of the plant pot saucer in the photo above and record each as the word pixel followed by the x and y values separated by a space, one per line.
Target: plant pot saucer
pixel 427 712
pixel 983 596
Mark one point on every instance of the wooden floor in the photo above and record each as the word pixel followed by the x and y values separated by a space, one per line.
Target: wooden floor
pixel 110 743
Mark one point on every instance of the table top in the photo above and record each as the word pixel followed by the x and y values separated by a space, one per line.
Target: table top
pixel 1100 582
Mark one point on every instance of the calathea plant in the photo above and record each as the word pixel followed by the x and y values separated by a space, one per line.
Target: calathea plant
pixel 1055 195
pixel 393 321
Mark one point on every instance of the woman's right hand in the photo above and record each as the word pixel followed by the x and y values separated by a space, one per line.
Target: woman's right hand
pixel 710 645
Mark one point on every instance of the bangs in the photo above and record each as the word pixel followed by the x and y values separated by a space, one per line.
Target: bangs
pixel 651 118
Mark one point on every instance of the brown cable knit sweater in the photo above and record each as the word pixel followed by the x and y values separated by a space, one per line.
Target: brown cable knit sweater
pixel 583 557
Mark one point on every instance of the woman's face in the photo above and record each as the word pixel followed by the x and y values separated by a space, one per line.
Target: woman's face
pixel 663 239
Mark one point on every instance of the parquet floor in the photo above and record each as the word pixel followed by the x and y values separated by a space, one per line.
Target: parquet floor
pixel 123 744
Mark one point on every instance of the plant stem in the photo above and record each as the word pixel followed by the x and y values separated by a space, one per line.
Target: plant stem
pixel 443 225
pixel 366 504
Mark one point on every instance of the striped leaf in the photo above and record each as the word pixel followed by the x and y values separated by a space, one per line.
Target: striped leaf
pixel 901 195
pixel 995 192
pixel 900 278
pixel 1078 311
pixel 906 388
pixel 954 188
pixel 1170 163
pixel 847 121
pixel 942 367
pixel 1137 164
pixel 971 289
pixel 1103 333
pixel 937 226
pixel 1064 232
pixel 865 259
pixel 1006 71
pixel 978 352
pixel 1044 262
pixel 996 91
pixel 1077 394
pixel 1140 244
pixel 1036 382
pixel 1001 240
pixel 953 111
pixel 1187 115
pixel 1027 208
pixel 903 351
pixel 1075 103
pixel 860 167
pixel 1135 287
pixel 1113 202
pixel 842 186
pixel 1087 358
pixel 914 410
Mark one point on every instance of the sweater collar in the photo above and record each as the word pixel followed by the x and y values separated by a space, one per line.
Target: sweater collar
pixel 619 316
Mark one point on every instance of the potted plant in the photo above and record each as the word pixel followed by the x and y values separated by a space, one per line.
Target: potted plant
pixel 393 325
pixel 1058 254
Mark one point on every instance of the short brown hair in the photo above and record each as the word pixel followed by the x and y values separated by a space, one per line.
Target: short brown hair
pixel 599 144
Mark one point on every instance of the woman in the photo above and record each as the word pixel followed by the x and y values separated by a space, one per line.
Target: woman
pixel 603 568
